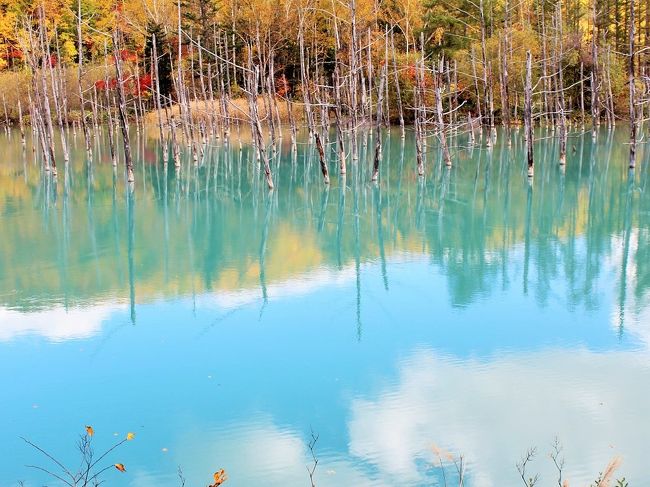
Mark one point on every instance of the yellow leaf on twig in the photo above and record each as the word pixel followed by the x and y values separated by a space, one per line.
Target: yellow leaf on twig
pixel 130 436
pixel 90 431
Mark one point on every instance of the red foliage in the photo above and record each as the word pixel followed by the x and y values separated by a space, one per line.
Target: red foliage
pixel 411 75
pixel 135 86
pixel 141 85
pixel 12 53
pixel 130 56
pixel 282 86
pixel 145 82
pixel 101 84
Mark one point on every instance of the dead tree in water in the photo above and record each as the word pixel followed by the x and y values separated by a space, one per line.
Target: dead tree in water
pixel 440 121
pixel 321 158
pixel 40 107
pixel 595 99
pixel 339 121
pixel 397 88
pixel 124 124
pixel 303 74
pixel 338 111
pixel 80 90
pixel 45 46
pixel 528 114
pixel 4 104
pixel 256 126
pixel 559 83
pixel 378 119
pixel 631 82
pixel 154 62
pixel 109 112
pixel 419 116
pixel 21 124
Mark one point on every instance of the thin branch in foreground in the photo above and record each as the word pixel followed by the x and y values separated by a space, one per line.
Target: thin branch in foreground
pixel 311 445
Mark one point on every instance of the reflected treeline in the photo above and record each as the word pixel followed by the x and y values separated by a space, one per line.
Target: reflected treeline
pixel 215 226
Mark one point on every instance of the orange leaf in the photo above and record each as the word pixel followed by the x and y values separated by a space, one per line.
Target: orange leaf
pixel 219 478
pixel 120 467
pixel 90 430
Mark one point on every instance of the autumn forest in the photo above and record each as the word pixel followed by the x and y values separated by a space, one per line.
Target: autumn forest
pixel 198 68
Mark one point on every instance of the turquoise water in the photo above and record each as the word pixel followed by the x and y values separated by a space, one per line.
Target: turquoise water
pixel 472 312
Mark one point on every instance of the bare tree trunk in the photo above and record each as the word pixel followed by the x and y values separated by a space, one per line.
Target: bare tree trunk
pixel 175 145
pixel 4 104
pixel 442 133
pixel 82 104
pixel 46 114
pixel 582 95
pixel 611 119
pixel 62 83
pixel 225 89
pixel 252 89
pixel 339 121
pixel 321 157
pixel 560 83
pixel 21 123
pixel 109 112
pixel 353 77
pixel 418 97
pixel 528 113
pixel 397 87
pixel 505 102
pixel 476 88
pixel 547 83
pixel 124 124
pixel 94 103
pixel 292 120
pixel 338 112
pixel 154 62
pixel 632 87
pixel 303 76
pixel 595 99
pixel 378 118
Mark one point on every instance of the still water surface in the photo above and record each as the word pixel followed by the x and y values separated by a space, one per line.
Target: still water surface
pixel 469 312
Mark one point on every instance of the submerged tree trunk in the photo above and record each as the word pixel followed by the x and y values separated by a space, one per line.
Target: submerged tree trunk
pixel 321 158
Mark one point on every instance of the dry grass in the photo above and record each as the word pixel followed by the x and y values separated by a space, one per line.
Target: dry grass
pixel 238 110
